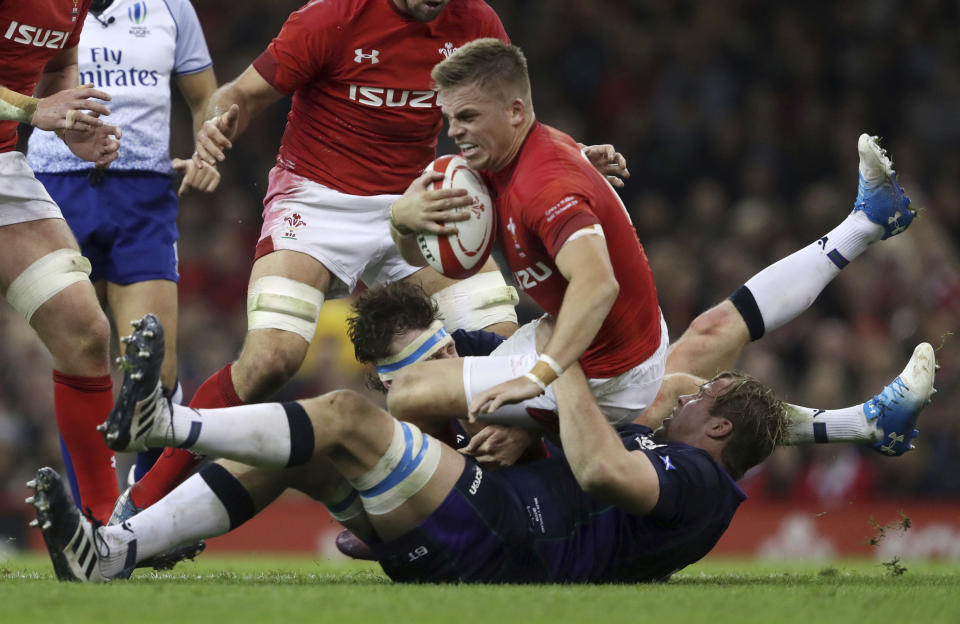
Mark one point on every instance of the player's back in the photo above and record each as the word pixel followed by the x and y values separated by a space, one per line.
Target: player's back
pixel 34 31
pixel 365 117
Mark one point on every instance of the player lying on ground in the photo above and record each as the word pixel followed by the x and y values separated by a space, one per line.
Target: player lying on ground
pixel 486 97
pixel 624 505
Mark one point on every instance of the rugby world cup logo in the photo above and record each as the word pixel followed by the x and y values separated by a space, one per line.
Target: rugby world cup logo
pixel 137 12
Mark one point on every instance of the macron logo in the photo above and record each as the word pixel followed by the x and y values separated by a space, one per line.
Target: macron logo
pixel 372 57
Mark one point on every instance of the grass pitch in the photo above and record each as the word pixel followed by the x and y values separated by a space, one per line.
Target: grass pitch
pixel 270 589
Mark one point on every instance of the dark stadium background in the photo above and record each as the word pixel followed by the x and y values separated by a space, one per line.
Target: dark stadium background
pixel 739 120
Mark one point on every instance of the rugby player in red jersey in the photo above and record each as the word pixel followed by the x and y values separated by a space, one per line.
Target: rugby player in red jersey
pixel 42 274
pixel 570 245
pixel 363 124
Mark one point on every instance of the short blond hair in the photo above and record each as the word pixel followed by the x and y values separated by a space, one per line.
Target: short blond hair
pixel 496 67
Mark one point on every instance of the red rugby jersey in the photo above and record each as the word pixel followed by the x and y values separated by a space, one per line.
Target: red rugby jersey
pixel 365 117
pixel 546 194
pixel 34 31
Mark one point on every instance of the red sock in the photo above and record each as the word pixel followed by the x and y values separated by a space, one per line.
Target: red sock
pixel 175 465
pixel 80 404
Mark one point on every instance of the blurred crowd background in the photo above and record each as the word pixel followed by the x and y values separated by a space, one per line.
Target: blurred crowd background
pixel 739 120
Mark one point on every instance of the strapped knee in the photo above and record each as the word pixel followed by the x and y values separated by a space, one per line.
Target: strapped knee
pixel 404 469
pixel 46 277
pixel 477 302
pixel 275 302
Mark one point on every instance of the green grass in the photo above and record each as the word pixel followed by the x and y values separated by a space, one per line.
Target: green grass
pixel 301 590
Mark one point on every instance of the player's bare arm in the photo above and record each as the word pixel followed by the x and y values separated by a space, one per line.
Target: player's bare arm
pixel 598 459
pixel 197 88
pixel 423 209
pixel 591 291
pixel 608 161
pixel 229 111
pixel 59 104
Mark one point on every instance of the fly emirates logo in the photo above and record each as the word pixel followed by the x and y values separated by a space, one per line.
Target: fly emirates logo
pixel 36 36
pixel 393 98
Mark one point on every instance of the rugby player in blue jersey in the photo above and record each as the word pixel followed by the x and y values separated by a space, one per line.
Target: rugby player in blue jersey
pixel 613 505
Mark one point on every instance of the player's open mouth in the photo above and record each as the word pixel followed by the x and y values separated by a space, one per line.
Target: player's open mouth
pixel 468 149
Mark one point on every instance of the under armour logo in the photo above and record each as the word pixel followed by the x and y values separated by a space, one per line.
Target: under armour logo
pixel 667 464
pixel 894 439
pixel 372 56
pixel 895 220
pixel 823 243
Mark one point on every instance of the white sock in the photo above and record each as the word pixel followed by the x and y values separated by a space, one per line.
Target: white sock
pixel 192 511
pixel 786 288
pixel 809 426
pixel 258 434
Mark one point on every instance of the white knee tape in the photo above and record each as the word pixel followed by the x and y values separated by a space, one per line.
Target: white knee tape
pixel 275 302
pixel 477 302
pixel 404 469
pixel 347 505
pixel 45 278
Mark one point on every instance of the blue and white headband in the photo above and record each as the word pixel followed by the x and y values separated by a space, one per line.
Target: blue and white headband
pixel 421 348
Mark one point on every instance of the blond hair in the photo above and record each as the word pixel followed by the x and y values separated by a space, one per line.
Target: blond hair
pixel 497 68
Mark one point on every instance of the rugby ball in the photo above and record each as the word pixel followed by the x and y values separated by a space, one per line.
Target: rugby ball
pixel 460 255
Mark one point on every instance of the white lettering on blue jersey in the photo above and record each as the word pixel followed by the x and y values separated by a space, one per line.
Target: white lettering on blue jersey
pixel 132 58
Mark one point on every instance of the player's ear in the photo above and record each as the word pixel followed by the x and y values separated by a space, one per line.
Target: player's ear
pixel 718 428
pixel 517 111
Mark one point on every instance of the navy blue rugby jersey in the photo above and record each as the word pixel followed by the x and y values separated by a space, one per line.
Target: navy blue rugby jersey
pixel 577 538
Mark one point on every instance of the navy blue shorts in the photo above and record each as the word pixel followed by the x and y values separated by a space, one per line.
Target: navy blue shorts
pixel 124 221
pixel 479 533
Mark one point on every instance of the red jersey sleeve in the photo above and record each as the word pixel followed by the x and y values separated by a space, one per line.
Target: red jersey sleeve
pixel 299 52
pixel 555 215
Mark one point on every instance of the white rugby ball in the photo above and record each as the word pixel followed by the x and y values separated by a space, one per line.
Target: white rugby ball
pixel 461 255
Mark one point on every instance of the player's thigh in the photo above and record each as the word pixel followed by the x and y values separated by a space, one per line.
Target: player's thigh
pixel 22 244
pixel 293 265
pixel 711 344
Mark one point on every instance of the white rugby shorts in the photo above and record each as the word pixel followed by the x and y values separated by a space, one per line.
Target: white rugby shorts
pixel 348 234
pixel 621 398
pixel 22 197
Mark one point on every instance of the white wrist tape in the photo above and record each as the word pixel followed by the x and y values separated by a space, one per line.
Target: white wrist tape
pixel 46 277
pixel 536 380
pixel 552 363
pixel 275 302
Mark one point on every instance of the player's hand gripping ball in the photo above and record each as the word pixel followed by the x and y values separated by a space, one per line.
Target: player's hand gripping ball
pixel 461 255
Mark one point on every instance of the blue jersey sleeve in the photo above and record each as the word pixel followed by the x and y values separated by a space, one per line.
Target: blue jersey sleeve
pixel 191 55
pixel 692 484
pixel 476 343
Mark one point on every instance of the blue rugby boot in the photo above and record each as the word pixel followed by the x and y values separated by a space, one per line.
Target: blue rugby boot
pixel 141 415
pixel 879 196
pixel 898 405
